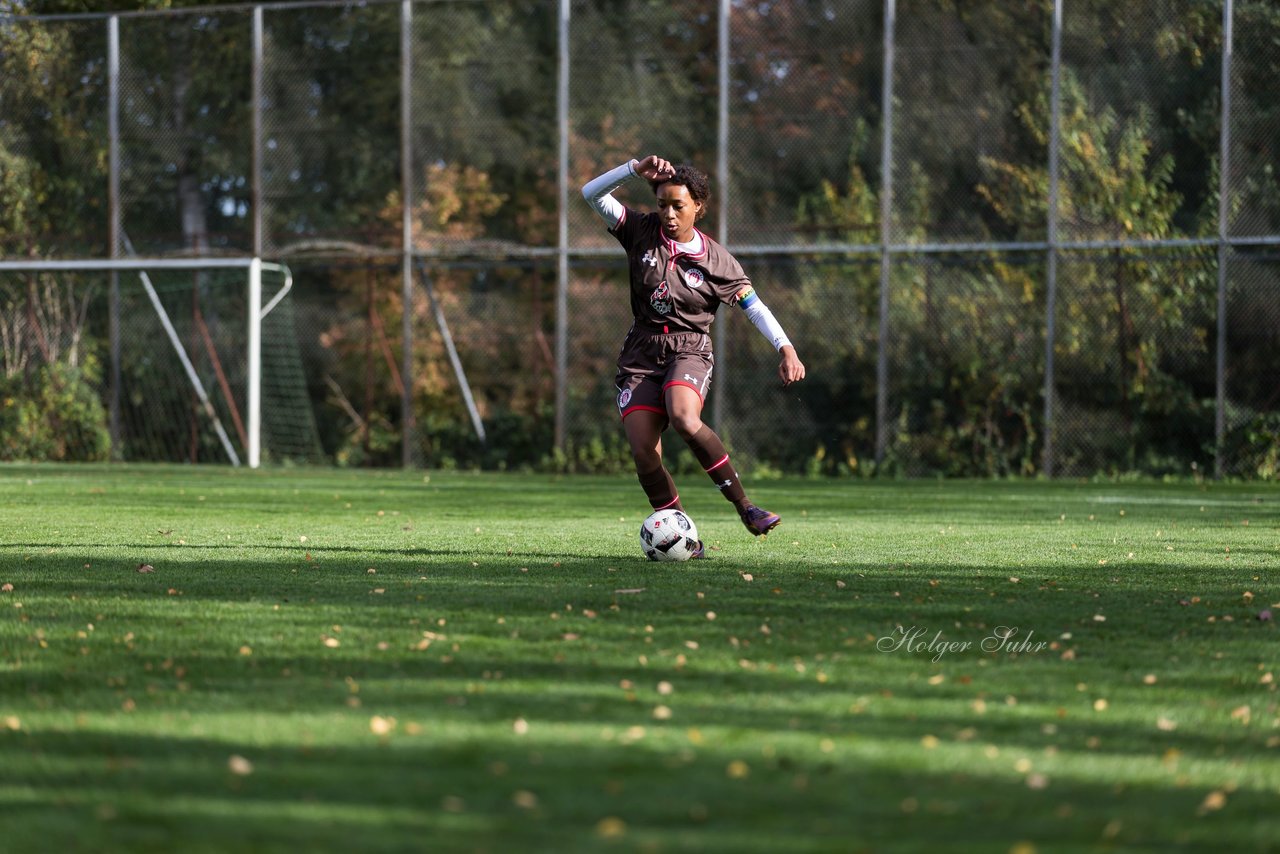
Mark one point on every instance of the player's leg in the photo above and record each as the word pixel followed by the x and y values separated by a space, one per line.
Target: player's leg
pixel 683 396
pixel 643 419
pixel 644 435
pixel 684 409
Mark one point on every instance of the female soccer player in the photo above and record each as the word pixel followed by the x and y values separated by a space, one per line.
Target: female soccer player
pixel 679 277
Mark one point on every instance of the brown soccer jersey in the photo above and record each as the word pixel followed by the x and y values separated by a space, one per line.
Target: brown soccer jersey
pixel 674 291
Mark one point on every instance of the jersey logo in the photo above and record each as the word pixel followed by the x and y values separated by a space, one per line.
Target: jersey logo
pixel 624 398
pixel 649 258
pixel 693 277
pixel 660 299
pixel 692 380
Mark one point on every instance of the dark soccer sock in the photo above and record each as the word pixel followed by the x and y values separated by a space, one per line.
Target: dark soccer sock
pixel 660 488
pixel 709 450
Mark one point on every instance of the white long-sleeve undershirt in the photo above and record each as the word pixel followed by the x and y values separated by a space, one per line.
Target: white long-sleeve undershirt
pixel 598 192
pixel 759 314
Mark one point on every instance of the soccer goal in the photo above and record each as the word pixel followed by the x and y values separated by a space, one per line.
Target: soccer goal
pixel 193 360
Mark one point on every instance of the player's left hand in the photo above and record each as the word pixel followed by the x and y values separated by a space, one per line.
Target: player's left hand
pixel 791 368
pixel 654 168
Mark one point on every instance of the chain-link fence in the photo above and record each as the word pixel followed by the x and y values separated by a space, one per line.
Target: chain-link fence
pixel 1005 238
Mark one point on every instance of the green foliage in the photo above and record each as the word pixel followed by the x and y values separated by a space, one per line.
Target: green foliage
pixel 376 443
pixel 604 453
pixel 53 141
pixel 16 194
pixel 57 416
pixel 963 351
pixel 50 376
pixel 1133 328
pixel 1253 446
pixel 1135 332
pixel 849 214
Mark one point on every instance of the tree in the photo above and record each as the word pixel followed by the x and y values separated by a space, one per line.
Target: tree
pixel 1134 326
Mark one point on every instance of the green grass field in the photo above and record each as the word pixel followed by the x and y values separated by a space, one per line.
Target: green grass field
pixel 339 660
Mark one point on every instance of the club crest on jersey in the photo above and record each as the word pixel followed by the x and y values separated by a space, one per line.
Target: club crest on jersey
pixel 624 398
pixel 660 299
pixel 693 277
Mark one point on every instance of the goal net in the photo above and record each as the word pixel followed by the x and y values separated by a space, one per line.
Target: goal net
pixel 167 364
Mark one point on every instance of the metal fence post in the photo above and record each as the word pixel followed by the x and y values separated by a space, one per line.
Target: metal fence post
pixel 114 223
pixel 1051 295
pixel 406 234
pixel 1224 189
pixel 254 449
pixel 256 113
pixel 720 332
pixel 886 233
pixel 562 247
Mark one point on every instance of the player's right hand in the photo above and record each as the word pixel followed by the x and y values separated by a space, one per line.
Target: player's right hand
pixel 654 167
pixel 791 369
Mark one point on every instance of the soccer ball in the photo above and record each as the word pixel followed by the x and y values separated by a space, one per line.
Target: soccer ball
pixel 668 535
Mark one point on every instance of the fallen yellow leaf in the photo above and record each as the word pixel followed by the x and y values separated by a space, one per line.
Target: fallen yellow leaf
pixel 1213 801
pixel 611 827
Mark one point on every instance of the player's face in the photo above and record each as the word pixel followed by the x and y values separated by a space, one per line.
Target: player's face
pixel 678 212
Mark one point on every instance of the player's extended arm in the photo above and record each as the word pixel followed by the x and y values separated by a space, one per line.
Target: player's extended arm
pixel 598 191
pixel 790 369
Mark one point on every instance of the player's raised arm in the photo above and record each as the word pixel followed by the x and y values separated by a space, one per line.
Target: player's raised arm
pixel 599 190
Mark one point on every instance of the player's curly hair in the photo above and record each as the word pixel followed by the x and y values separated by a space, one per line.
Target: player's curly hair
pixel 695 179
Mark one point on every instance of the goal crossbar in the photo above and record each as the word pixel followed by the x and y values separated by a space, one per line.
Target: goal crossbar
pixel 92 264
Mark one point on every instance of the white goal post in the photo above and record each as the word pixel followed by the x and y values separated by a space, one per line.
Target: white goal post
pixel 256 312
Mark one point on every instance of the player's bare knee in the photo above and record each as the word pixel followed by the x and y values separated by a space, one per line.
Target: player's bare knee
pixel 687 424
pixel 647 459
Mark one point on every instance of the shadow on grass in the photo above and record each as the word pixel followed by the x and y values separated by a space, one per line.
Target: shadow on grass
pixel 135 792
pixel 465 782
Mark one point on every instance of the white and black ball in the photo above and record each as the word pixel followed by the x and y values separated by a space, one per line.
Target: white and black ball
pixel 668 535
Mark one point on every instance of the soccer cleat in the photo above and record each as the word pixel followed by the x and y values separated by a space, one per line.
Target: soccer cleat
pixel 759 521
pixel 700 553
